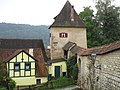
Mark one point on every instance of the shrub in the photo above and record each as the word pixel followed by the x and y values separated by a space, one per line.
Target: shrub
pixel 60 82
pixel 11 83
pixel 72 68
pixel 43 86
pixel 2 88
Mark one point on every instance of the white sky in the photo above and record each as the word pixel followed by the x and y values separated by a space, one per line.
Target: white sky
pixel 37 12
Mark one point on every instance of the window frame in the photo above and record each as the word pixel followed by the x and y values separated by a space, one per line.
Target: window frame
pixel 15 65
pixel 63 35
pixel 28 64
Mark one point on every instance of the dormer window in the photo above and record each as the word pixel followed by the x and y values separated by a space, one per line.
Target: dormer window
pixel 63 35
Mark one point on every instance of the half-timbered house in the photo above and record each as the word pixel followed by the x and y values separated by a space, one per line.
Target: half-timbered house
pixel 25 60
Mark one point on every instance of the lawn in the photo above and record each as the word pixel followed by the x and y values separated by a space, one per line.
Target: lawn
pixel 56 83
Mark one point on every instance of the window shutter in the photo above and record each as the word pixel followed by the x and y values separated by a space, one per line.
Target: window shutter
pixel 66 35
pixel 60 35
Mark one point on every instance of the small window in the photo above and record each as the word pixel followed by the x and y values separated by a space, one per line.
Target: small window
pixel 16 67
pixel 63 35
pixel 38 81
pixel 27 66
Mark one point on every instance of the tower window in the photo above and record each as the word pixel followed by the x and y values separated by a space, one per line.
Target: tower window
pixel 63 35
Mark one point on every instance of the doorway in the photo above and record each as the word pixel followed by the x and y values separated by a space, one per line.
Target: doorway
pixel 57 71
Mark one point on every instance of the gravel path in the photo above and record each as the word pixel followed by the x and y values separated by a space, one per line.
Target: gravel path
pixel 68 88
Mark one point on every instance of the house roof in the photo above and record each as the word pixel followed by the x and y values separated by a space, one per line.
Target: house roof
pixel 15 54
pixel 68 46
pixel 75 49
pixel 22 44
pixel 100 50
pixel 56 60
pixel 41 70
pixel 68 18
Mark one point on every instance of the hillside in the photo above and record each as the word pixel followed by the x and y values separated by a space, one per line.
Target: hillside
pixel 23 31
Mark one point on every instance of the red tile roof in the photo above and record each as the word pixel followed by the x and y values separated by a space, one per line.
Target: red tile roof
pixel 7 52
pixel 100 50
pixel 41 70
pixel 41 67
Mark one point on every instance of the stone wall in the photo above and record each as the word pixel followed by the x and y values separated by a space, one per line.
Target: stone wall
pixel 83 72
pixel 109 74
pixel 76 35
pixel 107 71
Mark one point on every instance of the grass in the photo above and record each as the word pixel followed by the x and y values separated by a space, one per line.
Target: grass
pixel 58 83
pixel 2 88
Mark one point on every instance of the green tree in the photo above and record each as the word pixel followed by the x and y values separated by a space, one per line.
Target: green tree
pixel 91 27
pixel 104 26
pixel 2 72
pixel 108 19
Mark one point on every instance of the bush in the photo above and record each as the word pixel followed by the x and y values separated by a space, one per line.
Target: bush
pixel 2 88
pixel 43 86
pixel 75 72
pixel 72 68
pixel 60 82
pixel 11 83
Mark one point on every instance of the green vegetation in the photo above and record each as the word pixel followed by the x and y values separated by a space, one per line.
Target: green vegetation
pixel 5 82
pixel 2 88
pixel 58 83
pixel 104 26
pixel 91 27
pixel 11 83
pixel 72 68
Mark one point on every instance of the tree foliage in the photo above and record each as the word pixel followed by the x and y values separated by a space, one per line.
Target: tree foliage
pixel 108 18
pixel 5 82
pixel 104 26
pixel 91 27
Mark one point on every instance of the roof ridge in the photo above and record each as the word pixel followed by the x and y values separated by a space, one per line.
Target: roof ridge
pixel 68 17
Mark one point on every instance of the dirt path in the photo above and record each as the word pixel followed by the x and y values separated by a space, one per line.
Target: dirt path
pixel 68 88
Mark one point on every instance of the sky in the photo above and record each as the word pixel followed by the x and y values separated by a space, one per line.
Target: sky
pixel 37 12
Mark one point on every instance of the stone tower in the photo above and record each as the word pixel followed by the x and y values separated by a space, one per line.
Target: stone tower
pixel 67 27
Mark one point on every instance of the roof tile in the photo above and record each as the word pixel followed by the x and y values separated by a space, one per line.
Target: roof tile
pixel 101 50
pixel 68 18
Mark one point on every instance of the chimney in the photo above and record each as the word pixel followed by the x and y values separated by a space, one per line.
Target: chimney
pixel 72 13
pixel 31 51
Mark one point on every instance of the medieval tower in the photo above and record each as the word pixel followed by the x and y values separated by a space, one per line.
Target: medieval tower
pixel 67 27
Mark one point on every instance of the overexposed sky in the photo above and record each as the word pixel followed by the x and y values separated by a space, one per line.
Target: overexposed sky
pixel 37 12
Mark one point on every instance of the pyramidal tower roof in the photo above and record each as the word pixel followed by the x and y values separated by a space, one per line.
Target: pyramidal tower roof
pixel 68 18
